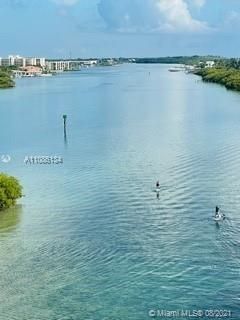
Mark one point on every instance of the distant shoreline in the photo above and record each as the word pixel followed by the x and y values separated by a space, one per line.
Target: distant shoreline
pixel 224 71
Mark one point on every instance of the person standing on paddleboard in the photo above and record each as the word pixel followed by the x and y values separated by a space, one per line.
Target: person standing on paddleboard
pixel 217 211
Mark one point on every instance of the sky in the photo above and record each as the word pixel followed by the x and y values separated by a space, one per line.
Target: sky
pixel 114 28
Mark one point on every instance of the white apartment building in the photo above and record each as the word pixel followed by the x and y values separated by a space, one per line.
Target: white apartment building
pixel 40 62
pixel 16 60
pixel 58 65
pixel 51 65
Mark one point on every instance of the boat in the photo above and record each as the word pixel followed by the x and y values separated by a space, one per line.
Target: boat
pixel 174 70
pixel 46 75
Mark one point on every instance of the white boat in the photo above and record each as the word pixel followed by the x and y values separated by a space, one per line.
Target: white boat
pixel 174 70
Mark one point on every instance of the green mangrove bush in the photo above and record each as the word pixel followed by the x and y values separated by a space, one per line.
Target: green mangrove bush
pixel 10 191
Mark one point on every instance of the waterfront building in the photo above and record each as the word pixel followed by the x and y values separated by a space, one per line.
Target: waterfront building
pixel 55 65
pixel 4 62
pixel 36 62
pixel 58 65
pixel 68 65
pixel 90 63
pixel 28 71
pixel 210 64
pixel 18 61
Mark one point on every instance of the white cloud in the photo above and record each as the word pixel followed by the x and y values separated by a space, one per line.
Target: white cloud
pixel 177 17
pixel 150 15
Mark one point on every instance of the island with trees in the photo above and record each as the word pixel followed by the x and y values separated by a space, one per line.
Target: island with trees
pixel 10 191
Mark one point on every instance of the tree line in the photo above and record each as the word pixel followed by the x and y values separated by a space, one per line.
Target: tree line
pixel 6 80
pixel 225 72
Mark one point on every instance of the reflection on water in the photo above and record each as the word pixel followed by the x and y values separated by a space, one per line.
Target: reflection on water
pixel 9 219
pixel 65 138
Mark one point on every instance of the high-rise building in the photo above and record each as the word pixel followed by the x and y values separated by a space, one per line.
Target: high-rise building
pixel 18 61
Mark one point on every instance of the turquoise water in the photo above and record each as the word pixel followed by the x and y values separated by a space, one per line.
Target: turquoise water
pixel 90 239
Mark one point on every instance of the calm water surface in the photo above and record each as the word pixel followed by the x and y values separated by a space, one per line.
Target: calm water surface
pixel 90 239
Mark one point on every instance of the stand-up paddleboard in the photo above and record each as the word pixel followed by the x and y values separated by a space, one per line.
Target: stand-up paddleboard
pixel 219 217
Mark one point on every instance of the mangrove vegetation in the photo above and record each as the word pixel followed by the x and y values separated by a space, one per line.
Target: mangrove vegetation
pixel 6 80
pixel 189 60
pixel 10 191
pixel 227 76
